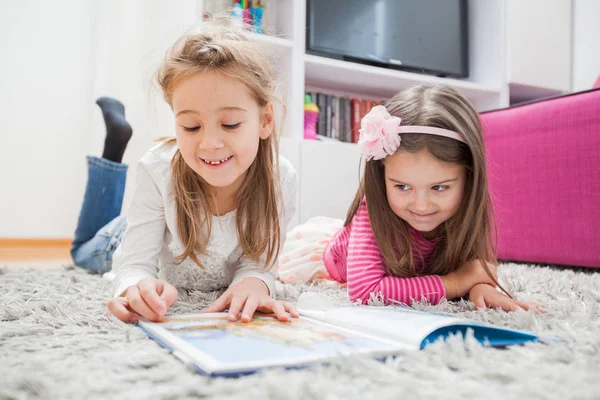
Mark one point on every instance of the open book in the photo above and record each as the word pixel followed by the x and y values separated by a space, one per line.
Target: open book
pixel 214 346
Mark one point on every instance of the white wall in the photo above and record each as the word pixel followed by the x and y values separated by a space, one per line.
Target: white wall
pixel 539 43
pixel 586 43
pixel 56 58
pixel 130 41
pixel 44 114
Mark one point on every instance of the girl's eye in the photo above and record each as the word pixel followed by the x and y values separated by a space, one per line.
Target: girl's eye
pixel 191 129
pixel 231 127
pixel 440 188
pixel 403 187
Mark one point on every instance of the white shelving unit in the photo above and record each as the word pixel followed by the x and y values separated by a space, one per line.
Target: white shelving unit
pixel 515 51
pixel 329 172
pixel 327 73
pixel 486 87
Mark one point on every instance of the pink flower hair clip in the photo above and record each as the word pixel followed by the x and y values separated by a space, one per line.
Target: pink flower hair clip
pixel 380 133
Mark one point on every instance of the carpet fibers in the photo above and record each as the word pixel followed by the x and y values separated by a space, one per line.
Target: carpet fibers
pixel 56 342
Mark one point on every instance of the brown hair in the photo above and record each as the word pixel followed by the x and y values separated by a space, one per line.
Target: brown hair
pixel 222 47
pixel 468 234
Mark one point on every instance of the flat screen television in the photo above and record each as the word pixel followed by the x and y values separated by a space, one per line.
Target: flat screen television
pixel 428 36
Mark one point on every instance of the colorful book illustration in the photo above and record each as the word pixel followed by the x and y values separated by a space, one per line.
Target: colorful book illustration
pixel 215 346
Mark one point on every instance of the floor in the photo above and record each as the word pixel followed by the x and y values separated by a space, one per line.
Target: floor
pixel 34 253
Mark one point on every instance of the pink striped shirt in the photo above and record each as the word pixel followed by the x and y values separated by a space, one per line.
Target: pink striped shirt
pixel 353 256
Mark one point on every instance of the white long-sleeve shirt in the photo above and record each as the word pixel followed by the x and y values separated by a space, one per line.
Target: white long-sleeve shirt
pixel 152 241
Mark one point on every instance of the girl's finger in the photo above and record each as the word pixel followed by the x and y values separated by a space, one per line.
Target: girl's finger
pixel 236 306
pixel 522 305
pixel 148 292
pixel 249 309
pixel 168 294
pixel 530 305
pixel 118 308
pixel 515 307
pixel 290 308
pixel 137 304
pixel 479 303
pixel 220 304
pixel 279 311
pixel 510 305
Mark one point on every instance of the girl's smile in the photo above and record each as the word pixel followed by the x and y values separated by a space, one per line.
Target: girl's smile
pixel 216 162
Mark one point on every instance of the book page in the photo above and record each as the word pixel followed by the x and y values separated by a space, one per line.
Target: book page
pixel 216 344
pixel 395 323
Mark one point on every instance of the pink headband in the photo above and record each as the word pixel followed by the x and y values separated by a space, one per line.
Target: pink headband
pixel 380 133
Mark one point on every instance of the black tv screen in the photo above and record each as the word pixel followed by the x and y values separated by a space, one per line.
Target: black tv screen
pixel 429 36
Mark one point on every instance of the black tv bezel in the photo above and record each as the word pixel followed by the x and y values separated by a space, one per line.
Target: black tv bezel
pixel 464 15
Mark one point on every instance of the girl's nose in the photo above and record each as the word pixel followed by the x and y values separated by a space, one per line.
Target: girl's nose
pixel 210 141
pixel 421 203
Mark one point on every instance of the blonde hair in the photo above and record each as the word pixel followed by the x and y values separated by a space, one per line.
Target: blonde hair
pixel 222 47
pixel 468 234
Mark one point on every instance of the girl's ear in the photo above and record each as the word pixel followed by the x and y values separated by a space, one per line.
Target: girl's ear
pixel 268 121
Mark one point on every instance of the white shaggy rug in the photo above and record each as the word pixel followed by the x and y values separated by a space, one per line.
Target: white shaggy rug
pixel 56 342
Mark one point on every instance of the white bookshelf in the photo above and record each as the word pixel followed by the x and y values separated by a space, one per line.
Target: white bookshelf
pixel 332 168
pixel 486 86
pixel 338 75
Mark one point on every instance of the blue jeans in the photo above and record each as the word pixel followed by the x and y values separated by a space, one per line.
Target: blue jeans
pixel 100 226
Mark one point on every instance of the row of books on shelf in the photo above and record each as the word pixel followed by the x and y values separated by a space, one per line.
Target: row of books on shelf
pixel 339 116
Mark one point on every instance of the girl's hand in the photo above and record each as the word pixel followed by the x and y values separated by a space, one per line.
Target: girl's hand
pixel 484 296
pixel 252 295
pixel 149 298
pixel 460 282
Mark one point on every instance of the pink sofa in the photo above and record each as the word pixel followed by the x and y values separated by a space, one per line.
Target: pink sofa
pixel 544 171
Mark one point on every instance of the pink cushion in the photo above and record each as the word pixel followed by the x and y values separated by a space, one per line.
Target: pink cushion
pixel 544 171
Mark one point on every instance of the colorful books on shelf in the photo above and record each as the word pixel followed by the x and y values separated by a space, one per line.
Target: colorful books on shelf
pixel 339 116
pixel 257 15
